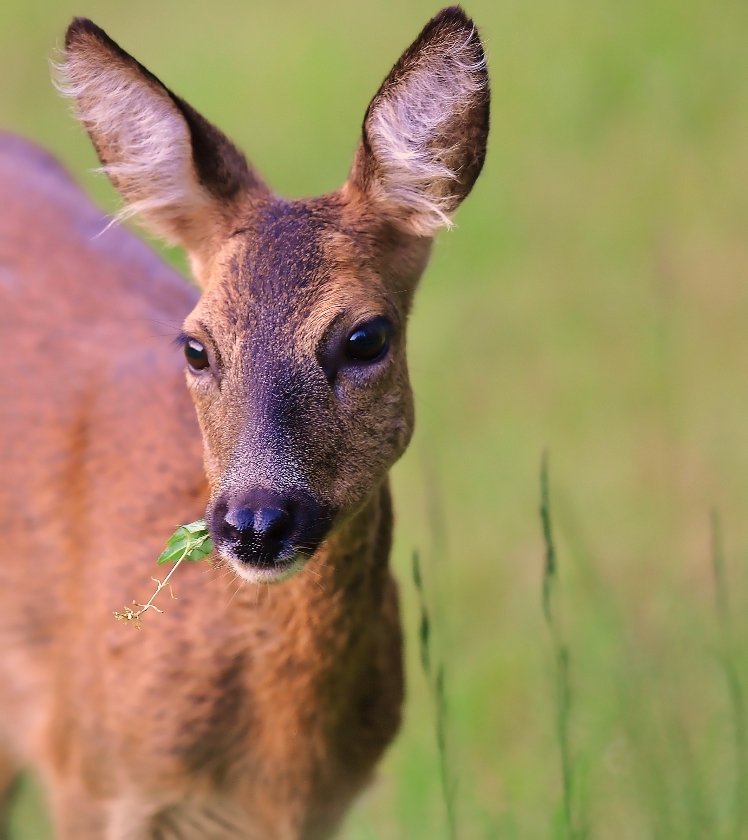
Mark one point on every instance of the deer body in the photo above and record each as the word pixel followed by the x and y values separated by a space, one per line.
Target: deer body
pixel 248 711
pixel 85 698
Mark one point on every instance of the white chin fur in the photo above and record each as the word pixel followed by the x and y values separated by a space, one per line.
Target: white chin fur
pixel 291 565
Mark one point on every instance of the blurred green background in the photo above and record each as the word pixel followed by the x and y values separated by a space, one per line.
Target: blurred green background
pixel 593 301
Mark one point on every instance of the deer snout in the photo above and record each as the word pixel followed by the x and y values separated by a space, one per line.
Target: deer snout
pixel 268 535
pixel 266 526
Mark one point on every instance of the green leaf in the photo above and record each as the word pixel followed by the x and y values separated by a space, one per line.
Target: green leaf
pixel 190 542
pixel 171 554
pixel 202 550
pixel 198 528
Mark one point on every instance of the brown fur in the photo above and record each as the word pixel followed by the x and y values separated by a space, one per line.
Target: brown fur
pixel 244 711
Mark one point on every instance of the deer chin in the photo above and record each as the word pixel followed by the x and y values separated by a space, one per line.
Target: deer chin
pixel 282 569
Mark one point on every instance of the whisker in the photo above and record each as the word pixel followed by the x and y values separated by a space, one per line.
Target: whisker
pixel 214 568
pixel 219 573
pixel 222 567
pixel 320 564
pixel 231 581
pixel 241 584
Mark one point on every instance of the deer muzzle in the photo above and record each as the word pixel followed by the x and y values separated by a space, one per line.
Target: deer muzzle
pixel 268 535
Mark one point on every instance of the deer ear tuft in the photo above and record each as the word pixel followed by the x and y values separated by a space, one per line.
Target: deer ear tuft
pixel 177 173
pixel 425 131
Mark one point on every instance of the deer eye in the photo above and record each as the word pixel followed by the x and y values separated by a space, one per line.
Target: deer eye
pixel 370 341
pixel 196 356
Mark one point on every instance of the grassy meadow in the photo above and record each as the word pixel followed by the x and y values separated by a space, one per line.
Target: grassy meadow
pixel 592 303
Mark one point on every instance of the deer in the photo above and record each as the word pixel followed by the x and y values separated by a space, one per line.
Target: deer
pixel 276 415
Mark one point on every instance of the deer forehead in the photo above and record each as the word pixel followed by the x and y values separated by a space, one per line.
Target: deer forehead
pixel 289 272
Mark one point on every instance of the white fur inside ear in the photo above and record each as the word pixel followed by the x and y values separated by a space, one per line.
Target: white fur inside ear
pixel 409 132
pixel 142 137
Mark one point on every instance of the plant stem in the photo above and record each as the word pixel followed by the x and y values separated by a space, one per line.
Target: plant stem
pixel 128 614
pixel 436 689
pixel 162 584
pixel 560 651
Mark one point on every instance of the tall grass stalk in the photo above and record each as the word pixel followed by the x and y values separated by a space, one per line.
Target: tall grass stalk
pixel 728 660
pixel 551 609
pixel 435 681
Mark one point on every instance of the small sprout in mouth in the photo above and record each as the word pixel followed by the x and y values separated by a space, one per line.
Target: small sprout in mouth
pixel 189 542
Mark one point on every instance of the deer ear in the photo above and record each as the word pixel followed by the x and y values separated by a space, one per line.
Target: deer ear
pixel 178 173
pixel 425 131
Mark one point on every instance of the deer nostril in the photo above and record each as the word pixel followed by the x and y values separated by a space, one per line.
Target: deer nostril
pixel 241 519
pixel 267 524
pixel 272 523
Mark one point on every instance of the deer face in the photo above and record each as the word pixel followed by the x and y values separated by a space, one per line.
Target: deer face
pixel 296 362
pixel 295 353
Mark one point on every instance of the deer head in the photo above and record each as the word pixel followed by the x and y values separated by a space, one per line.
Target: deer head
pixel 296 350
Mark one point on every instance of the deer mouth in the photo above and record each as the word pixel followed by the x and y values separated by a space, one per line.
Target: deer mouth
pixel 261 570
pixel 260 561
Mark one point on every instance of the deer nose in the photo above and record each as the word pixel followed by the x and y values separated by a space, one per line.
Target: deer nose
pixel 269 523
pixel 259 529
pixel 267 530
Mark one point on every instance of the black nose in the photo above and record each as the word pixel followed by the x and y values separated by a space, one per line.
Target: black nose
pixel 268 529
pixel 269 523
pixel 258 529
